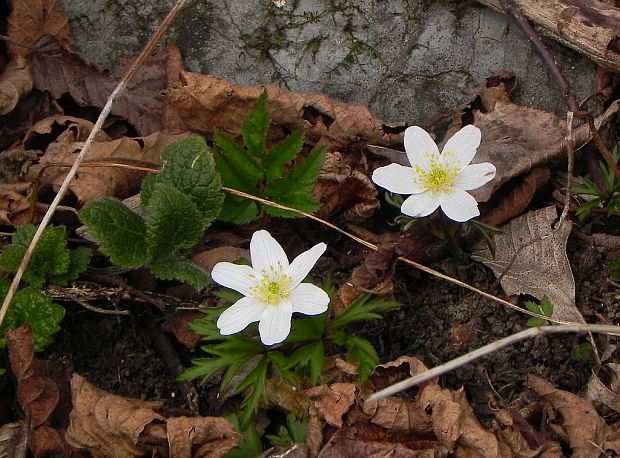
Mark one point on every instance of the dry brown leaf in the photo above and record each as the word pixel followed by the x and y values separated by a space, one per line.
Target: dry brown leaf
pixel 209 258
pixel 46 441
pixel 341 186
pixel 12 204
pixel 206 103
pixel 112 426
pixel 517 200
pixel 59 71
pixel 333 401
pixel 31 19
pixel 455 424
pixel 95 178
pixel 15 83
pixel 374 274
pixel 583 426
pixel 394 371
pixel 37 394
pixel 398 414
pixel 600 392
pixel 13 440
pixel 177 324
pixel 532 257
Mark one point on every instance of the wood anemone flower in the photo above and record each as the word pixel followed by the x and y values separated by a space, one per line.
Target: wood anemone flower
pixel 438 180
pixel 272 288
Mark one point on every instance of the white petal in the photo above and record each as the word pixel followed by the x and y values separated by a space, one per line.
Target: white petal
pixel 419 205
pixel 303 264
pixel 475 175
pixel 234 276
pixel 420 147
pixel 462 146
pixel 275 324
pixel 236 317
pixel 397 178
pixel 309 299
pixel 266 253
pixel 459 205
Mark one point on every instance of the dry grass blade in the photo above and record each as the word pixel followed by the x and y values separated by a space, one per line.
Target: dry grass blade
pixel 163 26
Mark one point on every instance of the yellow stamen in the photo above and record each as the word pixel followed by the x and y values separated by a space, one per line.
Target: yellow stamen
pixel 272 291
pixel 439 178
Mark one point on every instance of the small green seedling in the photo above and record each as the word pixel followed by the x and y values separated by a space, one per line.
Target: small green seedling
pixel 614 269
pixel 606 197
pixel 545 307
pixel 294 432
pixel 257 170
pixel 51 263
pixel 582 352
pixel 177 205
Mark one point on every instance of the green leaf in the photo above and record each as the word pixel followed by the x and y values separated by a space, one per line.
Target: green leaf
pixel 255 383
pixel 307 329
pixel 238 210
pixel 181 269
pixel 237 159
pixel 614 269
pixel 173 223
pixel 121 233
pixel 189 167
pixel 544 308
pixel 363 308
pixel 203 368
pixel 251 445
pixel 312 355
pixel 79 259
pixel 294 190
pixel 255 128
pixel 281 154
pixel 50 257
pixel 294 432
pixel 32 307
pixel 361 351
pixel 582 352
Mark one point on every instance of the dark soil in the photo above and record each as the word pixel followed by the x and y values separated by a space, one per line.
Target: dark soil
pixel 437 322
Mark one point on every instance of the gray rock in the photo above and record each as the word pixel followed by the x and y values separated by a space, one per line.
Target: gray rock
pixel 406 59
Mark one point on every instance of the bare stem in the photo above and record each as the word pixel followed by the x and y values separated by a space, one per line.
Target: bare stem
pixel 488 349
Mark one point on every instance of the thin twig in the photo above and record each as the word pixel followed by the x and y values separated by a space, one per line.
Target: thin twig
pixel 66 293
pixel 552 64
pixel 148 48
pixel 570 152
pixel 404 260
pixel 488 349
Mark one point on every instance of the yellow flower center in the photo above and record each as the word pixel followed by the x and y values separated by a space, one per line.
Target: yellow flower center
pixel 439 178
pixel 272 290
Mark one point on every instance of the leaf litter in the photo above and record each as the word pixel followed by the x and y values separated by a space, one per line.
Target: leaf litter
pixel 431 421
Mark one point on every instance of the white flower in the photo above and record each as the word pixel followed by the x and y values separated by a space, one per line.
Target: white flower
pixel 434 179
pixel 272 288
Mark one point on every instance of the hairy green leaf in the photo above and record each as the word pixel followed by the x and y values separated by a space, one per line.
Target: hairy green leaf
pixel 255 128
pixel 50 257
pixel 281 154
pixel 189 167
pixel 173 223
pixel 79 259
pixel 33 308
pixel 181 269
pixel 121 233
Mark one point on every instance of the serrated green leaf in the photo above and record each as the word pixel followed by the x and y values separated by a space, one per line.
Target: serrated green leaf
pixel 295 432
pixel 50 257
pixel 360 351
pixel 281 364
pixel 255 128
pixel 121 233
pixel 307 329
pixel 255 383
pixel 238 210
pixel 544 308
pixel 312 355
pixel 32 307
pixel 251 445
pixel 189 167
pixel 281 154
pixel 238 159
pixel 173 223
pixel 297 200
pixel 203 368
pixel 181 269
pixel 363 308
pixel 79 259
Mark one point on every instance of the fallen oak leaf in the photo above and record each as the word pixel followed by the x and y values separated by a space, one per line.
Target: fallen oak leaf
pixel 15 83
pixel 530 256
pixel 333 401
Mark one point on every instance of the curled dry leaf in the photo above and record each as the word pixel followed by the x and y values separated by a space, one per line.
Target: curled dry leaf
pixel 99 175
pixel 31 19
pixel 582 425
pixel 333 401
pixel 531 258
pixel 13 440
pixel 15 83
pixel 58 71
pixel 341 186
pixel 394 371
pixel 375 273
pixel 36 393
pixel 606 394
pixel 206 103
pixel 112 426
pixel 177 324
